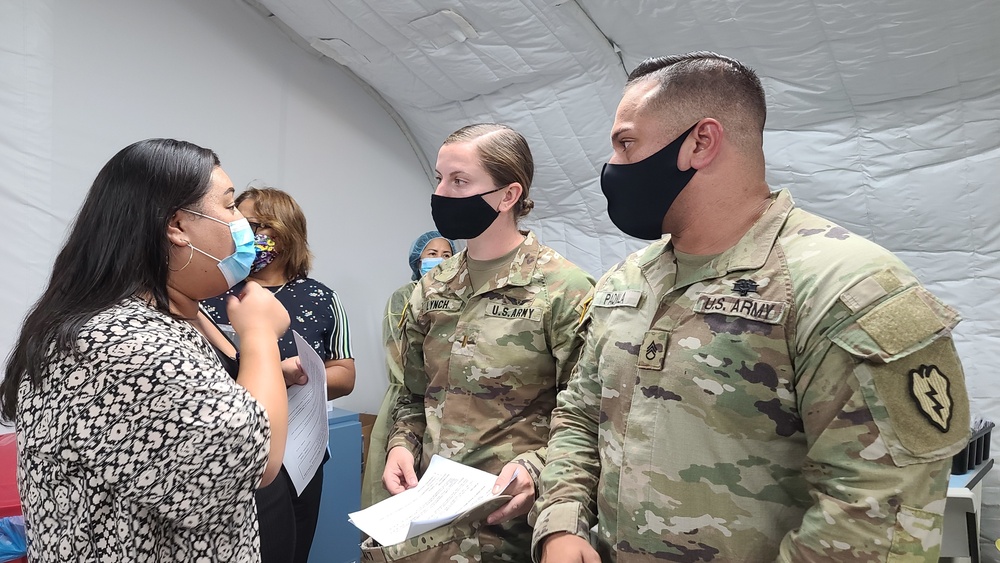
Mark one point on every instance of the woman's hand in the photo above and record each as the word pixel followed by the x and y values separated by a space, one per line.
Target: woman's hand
pixel 291 369
pixel 256 309
pixel 399 474
pixel 522 487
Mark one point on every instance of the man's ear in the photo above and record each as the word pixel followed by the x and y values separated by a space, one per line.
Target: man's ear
pixel 702 145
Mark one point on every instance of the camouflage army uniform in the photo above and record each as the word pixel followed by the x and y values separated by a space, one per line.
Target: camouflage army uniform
pixel 372 490
pixel 483 370
pixel 797 399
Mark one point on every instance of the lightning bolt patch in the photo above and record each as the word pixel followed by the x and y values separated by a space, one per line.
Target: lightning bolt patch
pixel 931 390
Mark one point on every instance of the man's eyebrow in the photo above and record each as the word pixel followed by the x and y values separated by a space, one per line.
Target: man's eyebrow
pixel 619 132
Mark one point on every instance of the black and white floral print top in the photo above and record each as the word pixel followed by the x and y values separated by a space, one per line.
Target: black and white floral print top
pixel 142 448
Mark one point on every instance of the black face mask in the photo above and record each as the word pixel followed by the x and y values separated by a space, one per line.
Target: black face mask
pixel 640 194
pixel 463 217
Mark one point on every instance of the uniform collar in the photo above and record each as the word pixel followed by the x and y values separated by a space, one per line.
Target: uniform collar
pixel 750 253
pixel 455 271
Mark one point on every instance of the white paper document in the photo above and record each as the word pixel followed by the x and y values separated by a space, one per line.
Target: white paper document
pixel 445 492
pixel 308 431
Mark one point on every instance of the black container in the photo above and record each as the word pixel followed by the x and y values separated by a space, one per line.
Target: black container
pixel 974 453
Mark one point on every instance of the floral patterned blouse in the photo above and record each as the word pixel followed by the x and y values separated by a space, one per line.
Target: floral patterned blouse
pixel 141 448
pixel 315 312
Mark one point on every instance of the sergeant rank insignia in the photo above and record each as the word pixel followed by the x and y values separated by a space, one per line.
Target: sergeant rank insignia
pixel 745 286
pixel 929 388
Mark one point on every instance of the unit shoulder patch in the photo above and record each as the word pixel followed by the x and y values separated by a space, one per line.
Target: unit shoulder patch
pixel 932 391
pixel 919 402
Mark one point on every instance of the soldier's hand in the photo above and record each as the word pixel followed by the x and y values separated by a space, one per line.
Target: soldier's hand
pixel 399 475
pixel 564 547
pixel 521 487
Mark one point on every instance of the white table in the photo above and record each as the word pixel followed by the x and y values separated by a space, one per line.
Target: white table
pixel 961 515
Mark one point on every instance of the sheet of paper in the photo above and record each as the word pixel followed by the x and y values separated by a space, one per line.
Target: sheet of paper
pixel 446 490
pixel 308 431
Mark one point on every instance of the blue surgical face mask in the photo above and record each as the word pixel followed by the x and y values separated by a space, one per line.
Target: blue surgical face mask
pixel 427 264
pixel 235 267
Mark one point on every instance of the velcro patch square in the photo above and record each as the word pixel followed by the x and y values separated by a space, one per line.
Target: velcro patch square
pixel 903 320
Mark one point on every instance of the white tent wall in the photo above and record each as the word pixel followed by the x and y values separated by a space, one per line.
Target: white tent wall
pixel 882 117
pixel 81 80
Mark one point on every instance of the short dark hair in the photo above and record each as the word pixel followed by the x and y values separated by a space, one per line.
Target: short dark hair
pixel 116 248
pixel 505 155
pixel 705 84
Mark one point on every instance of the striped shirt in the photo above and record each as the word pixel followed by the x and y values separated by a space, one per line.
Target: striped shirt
pixel 315 312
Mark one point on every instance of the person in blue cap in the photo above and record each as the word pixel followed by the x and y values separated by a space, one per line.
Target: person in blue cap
pixel 429 250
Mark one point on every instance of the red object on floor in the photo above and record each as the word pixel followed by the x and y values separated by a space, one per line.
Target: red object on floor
pixel 10 501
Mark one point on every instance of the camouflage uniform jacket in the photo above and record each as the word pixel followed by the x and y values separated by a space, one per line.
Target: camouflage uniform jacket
pixel 797 399
pixel 483 369
pixel 372 490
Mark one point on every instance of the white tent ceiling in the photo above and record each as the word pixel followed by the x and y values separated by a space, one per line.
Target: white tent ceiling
pixel 884 116
pixel 866 99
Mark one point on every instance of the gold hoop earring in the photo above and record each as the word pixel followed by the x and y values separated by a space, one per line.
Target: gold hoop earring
pixel 186 264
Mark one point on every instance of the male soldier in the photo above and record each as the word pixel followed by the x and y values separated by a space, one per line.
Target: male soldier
pixel 760 385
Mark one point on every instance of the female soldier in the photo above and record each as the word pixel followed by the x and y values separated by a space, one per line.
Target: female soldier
pixel 489 339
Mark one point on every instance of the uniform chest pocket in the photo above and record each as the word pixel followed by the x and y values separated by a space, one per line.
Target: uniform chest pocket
pixel 464 342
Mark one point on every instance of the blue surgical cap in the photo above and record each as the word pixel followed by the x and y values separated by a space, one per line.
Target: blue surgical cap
pixel 418 247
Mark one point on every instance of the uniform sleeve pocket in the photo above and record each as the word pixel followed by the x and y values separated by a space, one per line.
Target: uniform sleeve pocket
pixel 896 327
pixel 909 374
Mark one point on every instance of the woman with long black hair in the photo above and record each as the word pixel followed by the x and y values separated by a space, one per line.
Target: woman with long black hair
pixel 134 443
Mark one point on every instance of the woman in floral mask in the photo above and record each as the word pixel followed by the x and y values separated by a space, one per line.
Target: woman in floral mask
pixel 288 521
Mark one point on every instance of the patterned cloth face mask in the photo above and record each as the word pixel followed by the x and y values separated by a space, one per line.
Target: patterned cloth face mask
pixel 235 267
pixel 264 247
